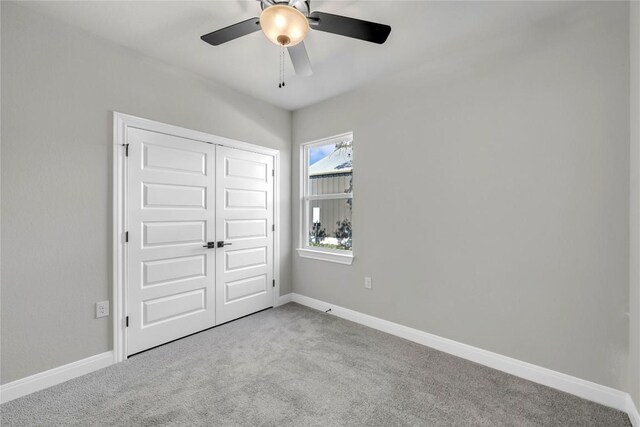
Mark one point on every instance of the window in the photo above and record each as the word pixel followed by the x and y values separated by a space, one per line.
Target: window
pixel 327 199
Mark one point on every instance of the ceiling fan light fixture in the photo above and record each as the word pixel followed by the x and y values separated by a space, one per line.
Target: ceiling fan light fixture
pixel 284 25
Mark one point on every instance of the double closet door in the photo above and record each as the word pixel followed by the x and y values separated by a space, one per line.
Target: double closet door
pixel 200 237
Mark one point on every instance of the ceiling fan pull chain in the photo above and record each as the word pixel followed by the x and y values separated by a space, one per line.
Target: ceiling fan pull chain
pixel 280 68
pixel 281 76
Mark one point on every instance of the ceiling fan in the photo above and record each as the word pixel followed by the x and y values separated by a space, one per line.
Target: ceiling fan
pixel 286 23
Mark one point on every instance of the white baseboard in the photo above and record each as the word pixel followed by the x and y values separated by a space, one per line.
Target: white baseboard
pixel 632 411
pixel 54 376
pixel 588 390
pixel 283 299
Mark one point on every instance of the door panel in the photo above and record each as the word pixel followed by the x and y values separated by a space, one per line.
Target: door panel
pixel 174 196
pixel 245 288
pixel 171 215
pixel 171 159
pixel 247 169
pixel 245 258
pixel 245 199
pixel 173 233
pixel 173 306
pixel 245 229
pixel 170 270
pixel 244 218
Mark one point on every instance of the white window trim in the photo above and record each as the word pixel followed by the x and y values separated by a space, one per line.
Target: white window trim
pixel 314 252
pixel 326 255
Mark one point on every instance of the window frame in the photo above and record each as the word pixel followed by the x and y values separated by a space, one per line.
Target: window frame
pixel 304 249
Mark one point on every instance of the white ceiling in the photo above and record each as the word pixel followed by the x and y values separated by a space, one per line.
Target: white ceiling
pixel 170 31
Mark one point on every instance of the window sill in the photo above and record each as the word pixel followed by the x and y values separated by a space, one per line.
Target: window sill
pixel 346 259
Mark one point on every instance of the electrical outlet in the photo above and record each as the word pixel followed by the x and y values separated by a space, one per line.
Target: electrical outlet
pixel 102 309
pixel 367 282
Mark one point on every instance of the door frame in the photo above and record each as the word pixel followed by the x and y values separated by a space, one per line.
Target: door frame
pixel 121 122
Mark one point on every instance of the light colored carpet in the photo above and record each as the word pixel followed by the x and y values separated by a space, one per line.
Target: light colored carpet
pixel 293 366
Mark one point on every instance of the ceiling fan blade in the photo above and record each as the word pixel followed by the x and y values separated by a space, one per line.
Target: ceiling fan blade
pixel 300 59
pixel 349 27
pixel 232 32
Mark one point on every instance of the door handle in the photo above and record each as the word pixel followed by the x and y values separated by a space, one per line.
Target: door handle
pixel 210 245
pixel 222 244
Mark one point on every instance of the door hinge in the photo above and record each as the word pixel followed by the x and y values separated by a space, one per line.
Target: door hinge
pixel 126 237
pixel 273 227
pixel 126 150
pixel 126 321
pixel 273 172
pixel 274 283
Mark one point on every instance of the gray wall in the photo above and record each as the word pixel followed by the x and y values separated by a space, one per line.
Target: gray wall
pixel 59 87
pixel 505 222
pixel 634 289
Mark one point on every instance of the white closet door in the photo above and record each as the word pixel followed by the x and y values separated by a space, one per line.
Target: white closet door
pixel 171 216
pixel 244 198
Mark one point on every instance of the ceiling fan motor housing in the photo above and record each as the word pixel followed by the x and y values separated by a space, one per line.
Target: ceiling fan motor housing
pixel 303 6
